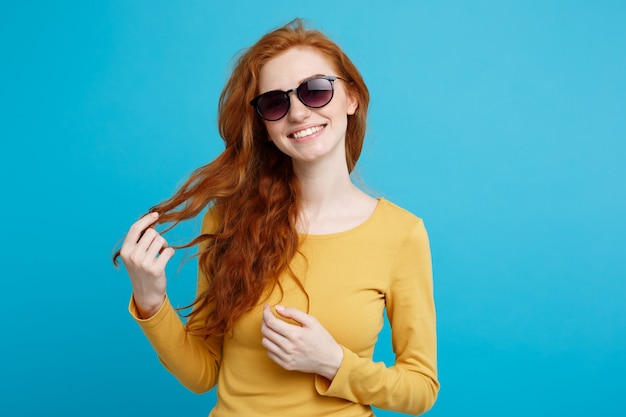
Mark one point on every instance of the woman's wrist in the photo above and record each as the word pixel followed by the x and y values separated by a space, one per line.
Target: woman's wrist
pixel 146 308
pixel 330 369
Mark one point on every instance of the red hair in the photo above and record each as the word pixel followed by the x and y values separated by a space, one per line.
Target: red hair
pixel 251 186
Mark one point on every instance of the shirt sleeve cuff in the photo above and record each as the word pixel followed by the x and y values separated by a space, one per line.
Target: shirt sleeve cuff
pixel 336 387
pixel 155 319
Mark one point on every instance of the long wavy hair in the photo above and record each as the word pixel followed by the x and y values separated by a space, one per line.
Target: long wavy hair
pixel 251 186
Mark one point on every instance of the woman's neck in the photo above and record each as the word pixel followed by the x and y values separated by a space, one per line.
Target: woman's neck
pixel 329 200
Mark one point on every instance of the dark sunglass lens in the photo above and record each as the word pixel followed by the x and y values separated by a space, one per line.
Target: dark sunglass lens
pixel 316 92
pixel 273 105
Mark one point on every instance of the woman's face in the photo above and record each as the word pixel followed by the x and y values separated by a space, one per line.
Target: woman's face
pixel 307 134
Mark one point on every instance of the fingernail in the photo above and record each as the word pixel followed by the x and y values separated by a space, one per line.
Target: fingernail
pixel 279 307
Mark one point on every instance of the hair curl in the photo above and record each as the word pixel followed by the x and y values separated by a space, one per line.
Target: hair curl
pixel 252 187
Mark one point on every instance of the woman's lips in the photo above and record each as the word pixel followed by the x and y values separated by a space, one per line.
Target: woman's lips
pixel 306 132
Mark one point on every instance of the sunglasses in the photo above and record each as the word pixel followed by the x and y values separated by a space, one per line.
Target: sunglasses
pixel 315 92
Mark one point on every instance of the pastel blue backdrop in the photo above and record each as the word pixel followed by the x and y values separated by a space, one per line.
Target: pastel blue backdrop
pixel 501 123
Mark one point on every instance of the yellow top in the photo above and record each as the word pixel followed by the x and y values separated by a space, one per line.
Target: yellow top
pixel 350 278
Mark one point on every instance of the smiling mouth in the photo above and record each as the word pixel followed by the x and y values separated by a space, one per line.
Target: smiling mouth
pixel 306 132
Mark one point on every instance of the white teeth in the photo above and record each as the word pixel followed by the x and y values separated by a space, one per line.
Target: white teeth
pixel 307 132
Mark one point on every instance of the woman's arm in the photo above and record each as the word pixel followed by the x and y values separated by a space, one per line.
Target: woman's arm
pixel 410 385
pixel 193 360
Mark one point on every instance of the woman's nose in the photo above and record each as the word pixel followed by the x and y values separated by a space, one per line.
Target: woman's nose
pixel 297 110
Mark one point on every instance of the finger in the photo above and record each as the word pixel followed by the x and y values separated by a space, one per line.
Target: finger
pixel 273 336
pixel 271 346
pixel 164 258
pixel 294 314
pixel 275 324
pixel 268 316
pixel 135 252
pixel 279 359
pixel 137 229
pixel 156 246
pixel 146 240
pixel 277 352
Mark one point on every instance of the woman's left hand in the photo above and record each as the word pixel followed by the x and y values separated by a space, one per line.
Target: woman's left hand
pixel 305 348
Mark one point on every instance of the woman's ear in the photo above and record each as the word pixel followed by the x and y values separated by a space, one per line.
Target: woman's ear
pixel 352 103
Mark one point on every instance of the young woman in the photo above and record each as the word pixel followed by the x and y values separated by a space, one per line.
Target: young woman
pixel 296 264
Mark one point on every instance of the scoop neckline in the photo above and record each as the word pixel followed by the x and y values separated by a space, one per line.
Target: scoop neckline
pixel 354 229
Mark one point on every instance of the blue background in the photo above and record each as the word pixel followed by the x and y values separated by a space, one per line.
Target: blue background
pixel 501 123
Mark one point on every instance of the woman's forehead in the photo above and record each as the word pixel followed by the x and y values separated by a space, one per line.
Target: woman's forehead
pixel 290 68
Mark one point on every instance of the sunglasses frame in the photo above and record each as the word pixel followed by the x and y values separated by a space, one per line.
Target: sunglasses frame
pixel 330 78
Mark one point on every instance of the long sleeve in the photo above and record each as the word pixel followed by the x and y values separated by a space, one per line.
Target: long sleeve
pixel 193 360
pixel 410 385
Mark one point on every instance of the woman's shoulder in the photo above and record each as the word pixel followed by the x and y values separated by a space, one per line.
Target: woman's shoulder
pixel 393 214
pixel 391 223
pixel 211 220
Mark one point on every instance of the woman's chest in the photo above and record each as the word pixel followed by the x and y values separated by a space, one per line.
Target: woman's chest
pixel 343 289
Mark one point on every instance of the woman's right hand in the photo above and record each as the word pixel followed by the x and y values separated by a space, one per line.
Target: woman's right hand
pixel 145 254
